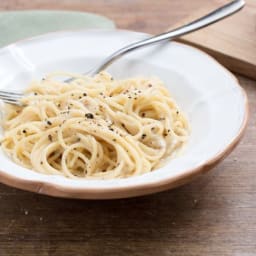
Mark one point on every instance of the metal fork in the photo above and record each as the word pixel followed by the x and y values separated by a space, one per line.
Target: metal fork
pixel 11 97
pixel 218 14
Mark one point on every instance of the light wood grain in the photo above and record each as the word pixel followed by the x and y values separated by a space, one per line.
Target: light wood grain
pixel 214 215
pixel 232 41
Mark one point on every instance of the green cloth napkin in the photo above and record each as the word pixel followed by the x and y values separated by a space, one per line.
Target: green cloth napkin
pixel 16 25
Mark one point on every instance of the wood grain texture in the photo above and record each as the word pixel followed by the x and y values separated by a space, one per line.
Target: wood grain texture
pixel 231 41
pixel 213 215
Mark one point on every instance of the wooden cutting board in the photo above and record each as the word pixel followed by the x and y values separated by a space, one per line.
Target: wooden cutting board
pixel 231 41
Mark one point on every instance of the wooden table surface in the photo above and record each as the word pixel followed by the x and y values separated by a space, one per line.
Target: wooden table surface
pixel 213 215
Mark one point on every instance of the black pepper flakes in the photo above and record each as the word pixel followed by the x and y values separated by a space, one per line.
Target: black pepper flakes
pixel 177 112
pixel 89 115
pixel 84 94
pixel 143 114
pixel 35 93
pixel 150 85
pixel 24 131
pixel 143 136
pixel 49 122
pixel 50 137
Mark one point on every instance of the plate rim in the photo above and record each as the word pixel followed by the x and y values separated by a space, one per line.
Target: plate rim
pixel 130 190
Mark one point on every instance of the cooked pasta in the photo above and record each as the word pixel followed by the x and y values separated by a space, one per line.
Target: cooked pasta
pixel 94 127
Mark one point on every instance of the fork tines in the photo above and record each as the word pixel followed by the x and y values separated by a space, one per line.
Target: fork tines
pixel 11 97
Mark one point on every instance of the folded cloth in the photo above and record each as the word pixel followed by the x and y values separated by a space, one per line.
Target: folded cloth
pixel 16 25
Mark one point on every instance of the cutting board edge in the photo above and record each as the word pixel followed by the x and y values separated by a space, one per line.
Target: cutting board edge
pixel 235 65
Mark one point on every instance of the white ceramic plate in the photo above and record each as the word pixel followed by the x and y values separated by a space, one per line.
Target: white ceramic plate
pixel 211 97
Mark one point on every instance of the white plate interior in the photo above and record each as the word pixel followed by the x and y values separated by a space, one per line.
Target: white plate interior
pixel 205 91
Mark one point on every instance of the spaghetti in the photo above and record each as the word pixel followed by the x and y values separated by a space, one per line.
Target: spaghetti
pixel 94 127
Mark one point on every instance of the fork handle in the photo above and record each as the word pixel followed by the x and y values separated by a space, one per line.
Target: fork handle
pixel 204 21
